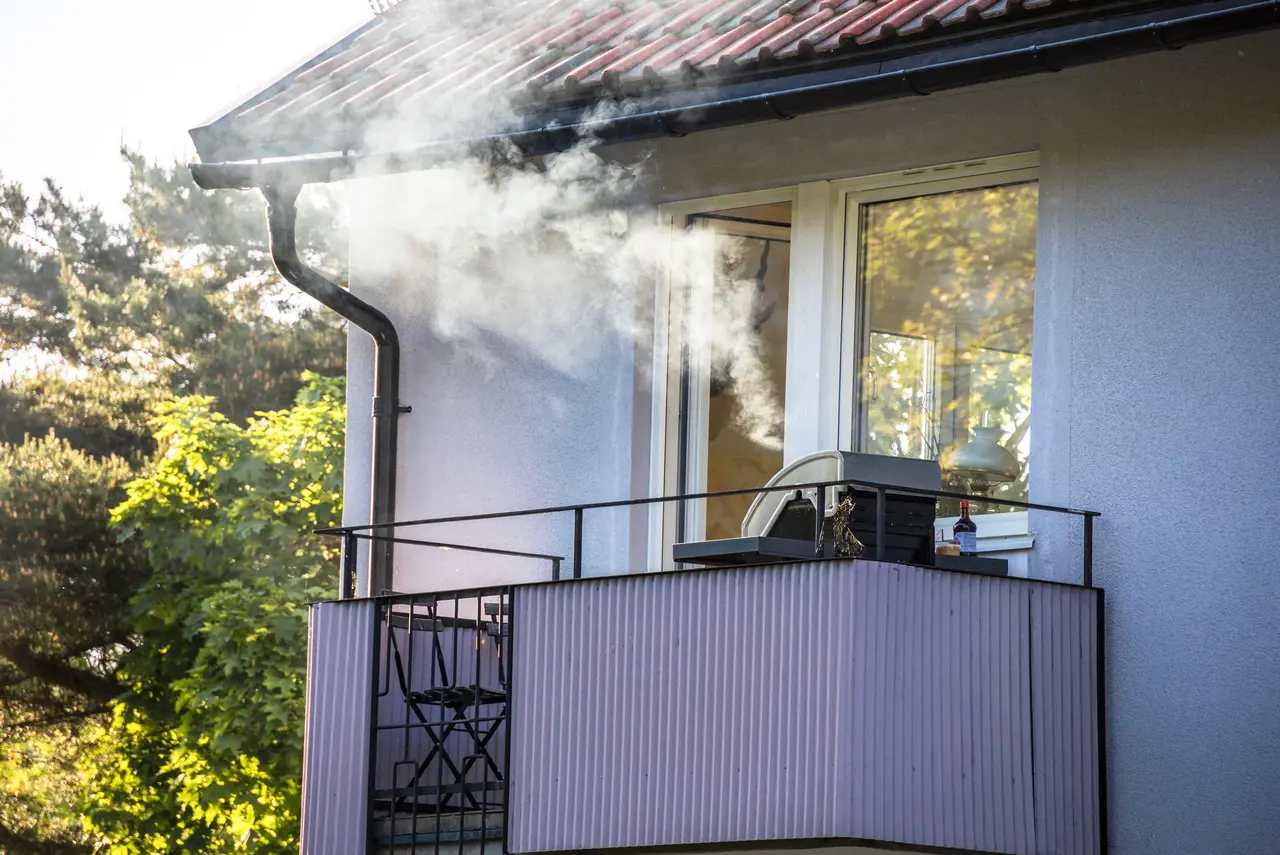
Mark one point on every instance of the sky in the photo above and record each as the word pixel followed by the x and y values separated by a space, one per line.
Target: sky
pixel 78 77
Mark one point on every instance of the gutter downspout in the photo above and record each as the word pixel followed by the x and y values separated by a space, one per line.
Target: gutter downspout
pixel 282 217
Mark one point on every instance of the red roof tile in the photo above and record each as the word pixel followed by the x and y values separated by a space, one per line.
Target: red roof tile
pixel 571 49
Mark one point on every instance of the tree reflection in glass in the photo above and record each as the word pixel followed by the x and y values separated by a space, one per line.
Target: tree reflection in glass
pixel 947 282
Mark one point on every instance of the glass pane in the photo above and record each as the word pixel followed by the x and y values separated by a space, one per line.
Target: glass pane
pixel 747 357
pixel 897 371
pixel 948 283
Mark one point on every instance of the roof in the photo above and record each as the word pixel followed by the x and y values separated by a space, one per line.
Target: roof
pixel 548 53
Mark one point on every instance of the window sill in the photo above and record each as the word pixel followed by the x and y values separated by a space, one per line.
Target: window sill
pixel 1007 543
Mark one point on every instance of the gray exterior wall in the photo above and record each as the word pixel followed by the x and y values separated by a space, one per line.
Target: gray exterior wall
pixel 335 768
pixel 835 700
pixel 1154 391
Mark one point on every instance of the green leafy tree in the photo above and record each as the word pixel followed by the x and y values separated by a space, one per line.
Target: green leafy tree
pixel 58 649
pixel 100 322
pixel 183 299
pixel 40 813
pixel 65 621
pixel 100 415
pixel 209 747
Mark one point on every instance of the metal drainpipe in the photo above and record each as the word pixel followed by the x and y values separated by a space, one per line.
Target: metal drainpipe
pixel 282 217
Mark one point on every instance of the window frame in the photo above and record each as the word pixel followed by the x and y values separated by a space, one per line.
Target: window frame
pixel 855 193
pixel 1010 527
pixel 680 464
pixel 824 332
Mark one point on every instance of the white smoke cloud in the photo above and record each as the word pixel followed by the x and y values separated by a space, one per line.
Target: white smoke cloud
pixel 553 256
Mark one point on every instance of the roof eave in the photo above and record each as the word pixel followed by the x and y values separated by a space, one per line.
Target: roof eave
pixel 783 97
pixel 222 140
pixel 215 138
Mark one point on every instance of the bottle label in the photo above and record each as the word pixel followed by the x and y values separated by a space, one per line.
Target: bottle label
pixel 968 541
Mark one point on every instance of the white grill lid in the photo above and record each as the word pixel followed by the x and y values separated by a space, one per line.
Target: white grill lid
pixel 836 466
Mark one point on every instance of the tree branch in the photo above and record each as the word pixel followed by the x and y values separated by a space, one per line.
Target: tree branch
pixel 90 685
pixel 1019 431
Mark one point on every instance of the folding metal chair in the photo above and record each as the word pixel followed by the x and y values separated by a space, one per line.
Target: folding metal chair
pixel 458 700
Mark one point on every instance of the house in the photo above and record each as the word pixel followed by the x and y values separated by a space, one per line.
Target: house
pixel 901 228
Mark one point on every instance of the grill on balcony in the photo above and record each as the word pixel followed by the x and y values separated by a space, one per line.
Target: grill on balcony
pixel 820 699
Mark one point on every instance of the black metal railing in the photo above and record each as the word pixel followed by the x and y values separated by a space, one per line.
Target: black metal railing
pixel 389 531
pixel 439 741
pixel 440 736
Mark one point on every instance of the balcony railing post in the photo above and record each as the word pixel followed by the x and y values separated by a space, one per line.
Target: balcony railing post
pixel 819 519
pixel 555 569
pixel 881 525
pixel 507 598
pixel 577 543
pixel 347 589
pixel 375 697
pixel 1088 551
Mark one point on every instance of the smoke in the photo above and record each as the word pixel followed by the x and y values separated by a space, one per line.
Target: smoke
pixel 558 257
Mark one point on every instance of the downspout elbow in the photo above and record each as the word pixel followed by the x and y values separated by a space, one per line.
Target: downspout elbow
pixel 282 221
pixel 282 217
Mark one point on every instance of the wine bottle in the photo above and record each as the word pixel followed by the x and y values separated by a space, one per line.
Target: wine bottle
pixel 966 531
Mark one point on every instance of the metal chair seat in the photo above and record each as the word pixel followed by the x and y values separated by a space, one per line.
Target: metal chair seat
pixel 456 697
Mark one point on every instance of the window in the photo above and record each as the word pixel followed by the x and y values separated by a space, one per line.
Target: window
pixel 888 314
pixel 942 285
pixel 733 355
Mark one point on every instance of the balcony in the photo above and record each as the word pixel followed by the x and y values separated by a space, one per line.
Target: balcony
pixel 832 701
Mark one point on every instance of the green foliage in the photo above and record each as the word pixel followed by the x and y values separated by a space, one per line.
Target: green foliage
pixel 210 750
pixel 100 322
pixel 182 299
pixel 100 414
pixel 43 784
pixel 243 335
pixel 65 581
pixel 65 587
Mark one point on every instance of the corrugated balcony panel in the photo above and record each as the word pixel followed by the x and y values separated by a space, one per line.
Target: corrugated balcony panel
pixel 1065 664
pixel 335 769
pixel 663 712
pixel 940 719
pixel 827 700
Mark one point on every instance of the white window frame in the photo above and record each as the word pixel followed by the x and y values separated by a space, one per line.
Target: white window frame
pixel 669 342
pixel 1002 531
pixel 823 331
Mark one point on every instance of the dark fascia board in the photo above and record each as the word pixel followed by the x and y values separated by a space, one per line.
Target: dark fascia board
pixel 1012 56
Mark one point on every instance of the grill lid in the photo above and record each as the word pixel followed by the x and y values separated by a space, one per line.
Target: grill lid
pixel 768 508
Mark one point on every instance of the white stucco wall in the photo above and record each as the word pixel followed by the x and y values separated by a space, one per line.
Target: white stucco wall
pixel 492 427
pixel 1157 353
